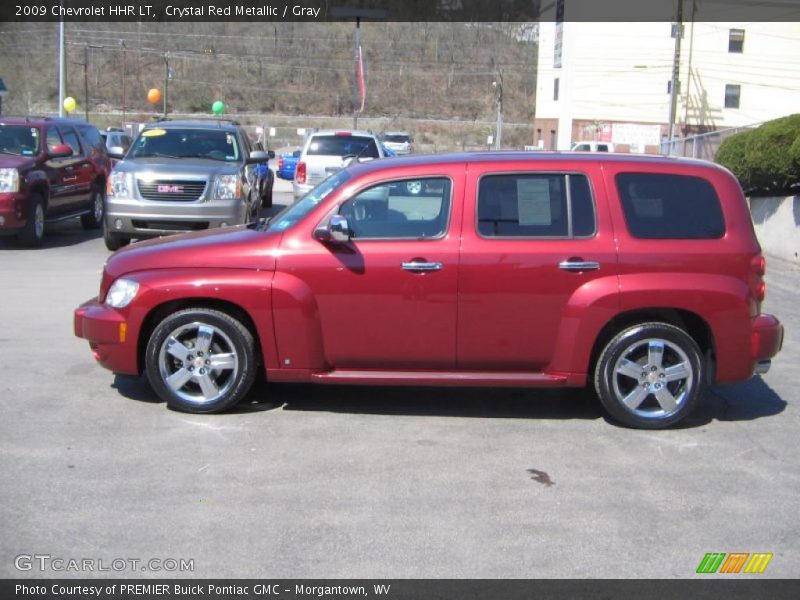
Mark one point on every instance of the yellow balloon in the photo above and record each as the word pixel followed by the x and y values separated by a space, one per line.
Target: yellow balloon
pixel 69 104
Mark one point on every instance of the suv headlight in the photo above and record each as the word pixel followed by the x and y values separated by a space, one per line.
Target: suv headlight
pixel 9 180
pixel 227 187
pixel 121 293
pixel 119 184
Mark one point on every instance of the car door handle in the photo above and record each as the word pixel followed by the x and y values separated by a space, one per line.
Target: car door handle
pixel 576 265
pixel 421 266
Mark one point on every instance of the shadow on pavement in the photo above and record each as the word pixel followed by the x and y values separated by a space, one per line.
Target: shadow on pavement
pixel 56 235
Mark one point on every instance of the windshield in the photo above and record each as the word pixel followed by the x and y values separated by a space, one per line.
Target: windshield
pixel 21 140
pixel 397 138
pixel 295 212
pixel 343 145
pixel 213 144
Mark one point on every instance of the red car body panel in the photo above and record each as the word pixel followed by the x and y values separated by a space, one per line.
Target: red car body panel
pixel 499 312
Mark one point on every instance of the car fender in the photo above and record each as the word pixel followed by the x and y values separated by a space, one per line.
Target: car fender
pixel 297 323
pixel 247 290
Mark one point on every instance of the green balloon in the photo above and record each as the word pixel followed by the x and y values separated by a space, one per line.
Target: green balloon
pixel 218 107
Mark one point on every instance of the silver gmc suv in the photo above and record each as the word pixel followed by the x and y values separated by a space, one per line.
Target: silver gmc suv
pixel 183 176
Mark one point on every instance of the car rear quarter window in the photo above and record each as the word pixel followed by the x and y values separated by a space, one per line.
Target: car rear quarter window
pixel 667 206
pixel 531 205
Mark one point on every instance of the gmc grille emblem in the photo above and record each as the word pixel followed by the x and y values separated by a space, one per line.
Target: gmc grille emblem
pixel 170 189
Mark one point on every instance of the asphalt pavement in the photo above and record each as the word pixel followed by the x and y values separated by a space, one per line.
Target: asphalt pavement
pixel 338 482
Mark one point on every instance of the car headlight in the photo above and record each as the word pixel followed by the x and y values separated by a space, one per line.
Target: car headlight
pixel 9 180
pixel 227 187
pixel 121 293
pixel 119 184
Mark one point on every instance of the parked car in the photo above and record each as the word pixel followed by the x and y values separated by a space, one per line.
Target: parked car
pixel 592 147
pixel 114 137
pixel 327 151
pixel 388 152
pixel 287 164
pixel 50 170
pixel 183 176
pixel 398 142
pixel 641 276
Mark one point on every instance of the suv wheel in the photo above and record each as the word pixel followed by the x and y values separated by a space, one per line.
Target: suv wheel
pixel 97 205
pixel 650 376
pixel 113 240
pixel 33 233
pixel 200 360
pixel 266 199
pixel 254 208
pixel 414 187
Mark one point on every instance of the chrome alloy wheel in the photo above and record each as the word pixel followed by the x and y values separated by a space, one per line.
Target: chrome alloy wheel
pixel 38 221
pixel 198 362
pixel 653 378
pixel 414 187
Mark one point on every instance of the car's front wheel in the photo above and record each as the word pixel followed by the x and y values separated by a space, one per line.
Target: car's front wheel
pixel 97 206
pixel 200 360
pixel 33 233
pixel 650 375
pixel 114 241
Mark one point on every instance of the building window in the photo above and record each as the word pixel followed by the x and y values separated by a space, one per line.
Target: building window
pixel 553 139
pixel 555 88
pixel 732 94
pixel 736 41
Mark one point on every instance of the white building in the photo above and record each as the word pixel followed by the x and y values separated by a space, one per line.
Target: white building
pixel 611 81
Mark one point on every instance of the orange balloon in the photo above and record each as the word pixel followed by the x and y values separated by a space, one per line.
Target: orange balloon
pixel 154 95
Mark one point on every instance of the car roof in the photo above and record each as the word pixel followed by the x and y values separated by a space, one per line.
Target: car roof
pixel 396 133
pixel 42 121
pixel 194 124
pixel 524 156
pixel 354 132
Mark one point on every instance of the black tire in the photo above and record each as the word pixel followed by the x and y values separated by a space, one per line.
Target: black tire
pixel 226 342
pixel 33 233
pixel 650 376
pixel 114 241
pixel 254 208
pixel 97 206
pixel 266 199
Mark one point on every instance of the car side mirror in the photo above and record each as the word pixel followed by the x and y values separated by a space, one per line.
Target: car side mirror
pixel 271 154
pixel 116 152
pixel 60 151
pixel 257 156
pixel 334 230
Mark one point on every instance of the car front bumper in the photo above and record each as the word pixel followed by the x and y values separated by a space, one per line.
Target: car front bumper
pixel 144 218
pixel 12 212
pixel 113 344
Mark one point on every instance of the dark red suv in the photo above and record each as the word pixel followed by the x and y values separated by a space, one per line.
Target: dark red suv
pixel 50 170
pixel 641 276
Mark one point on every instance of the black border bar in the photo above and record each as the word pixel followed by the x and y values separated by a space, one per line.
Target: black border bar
pixel 176 11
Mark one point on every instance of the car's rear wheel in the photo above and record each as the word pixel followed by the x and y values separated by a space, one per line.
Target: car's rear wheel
pixel 201 360
pixel 33 233
pixel 414 187
pixel 94 219
pixel 114 241
pixel 650 376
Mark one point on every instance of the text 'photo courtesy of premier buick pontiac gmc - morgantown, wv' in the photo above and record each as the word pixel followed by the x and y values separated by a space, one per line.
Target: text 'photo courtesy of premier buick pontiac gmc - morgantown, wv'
pixel 639 276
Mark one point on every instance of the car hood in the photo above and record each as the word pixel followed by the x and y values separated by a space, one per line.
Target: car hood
pixel 13 161
pixel 229 248
pixel 165 168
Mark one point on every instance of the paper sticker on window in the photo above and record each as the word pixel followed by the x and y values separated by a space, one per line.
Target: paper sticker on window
pixel 229 139
pixel 533 202
pixel 34 132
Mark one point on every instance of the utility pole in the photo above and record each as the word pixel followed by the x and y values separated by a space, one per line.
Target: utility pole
pixel 122 43
pixel 498 84
pixel 61 60
pixel 86 81
pixel 166 81
pixel 677 33
pixel 358 66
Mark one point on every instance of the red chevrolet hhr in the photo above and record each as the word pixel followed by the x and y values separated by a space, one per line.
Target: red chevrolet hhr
pixel 639 275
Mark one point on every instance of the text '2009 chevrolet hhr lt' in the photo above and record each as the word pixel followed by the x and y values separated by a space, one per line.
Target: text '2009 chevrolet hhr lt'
pixel 641 276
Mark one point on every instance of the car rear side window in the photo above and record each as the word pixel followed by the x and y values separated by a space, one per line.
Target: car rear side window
pixel 528 205
pixel 665 206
